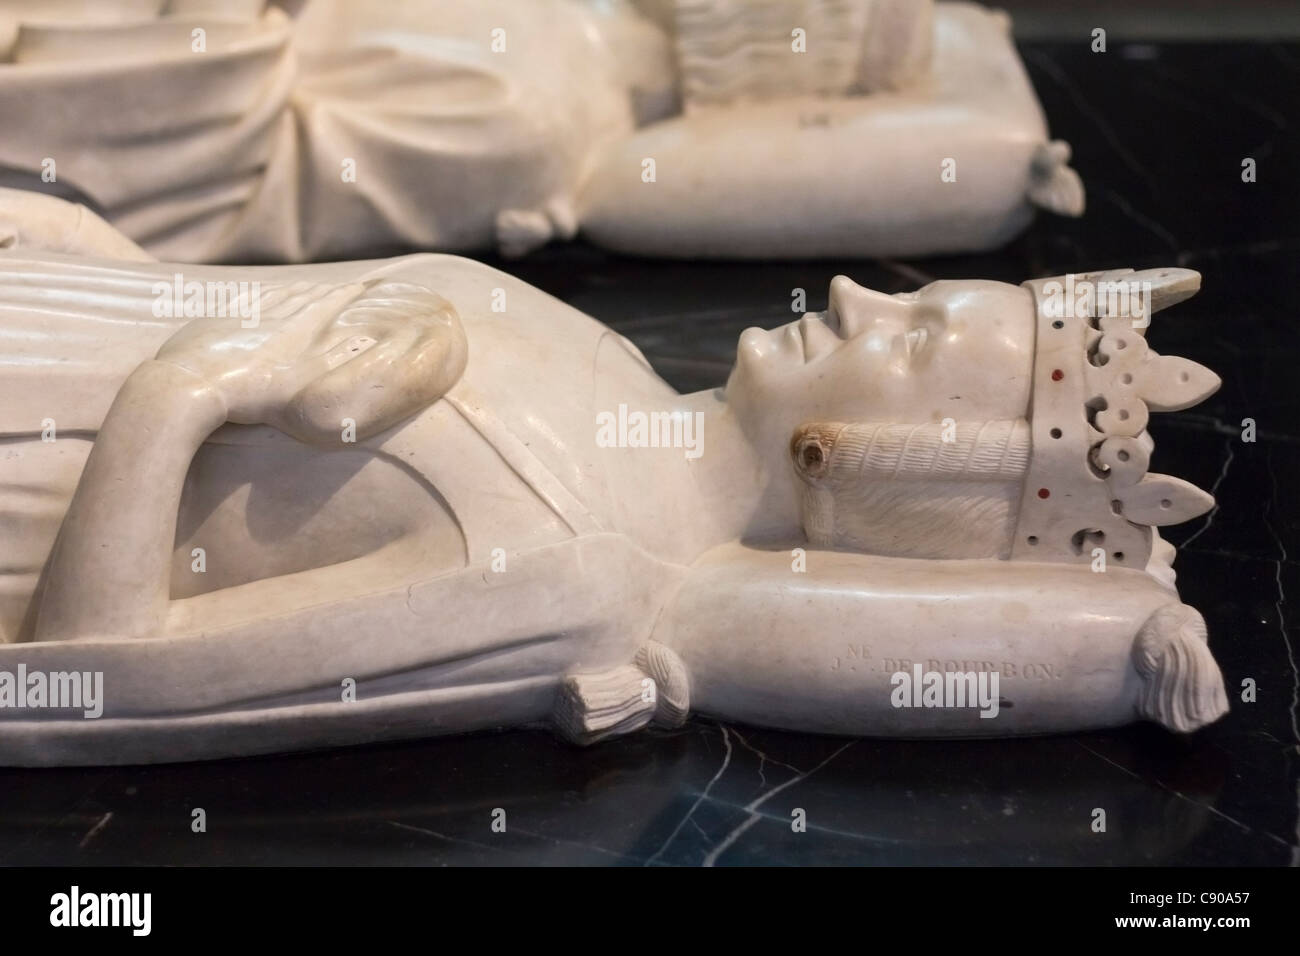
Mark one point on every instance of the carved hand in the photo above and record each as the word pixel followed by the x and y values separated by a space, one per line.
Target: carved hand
pixel 315 355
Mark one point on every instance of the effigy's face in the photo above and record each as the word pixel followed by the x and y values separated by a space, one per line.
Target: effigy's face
pixel 953 349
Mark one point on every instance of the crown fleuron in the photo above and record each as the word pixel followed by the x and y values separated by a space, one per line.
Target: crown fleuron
pixel 1096 381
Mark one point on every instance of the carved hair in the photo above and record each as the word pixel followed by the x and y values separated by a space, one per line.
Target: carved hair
pixel 729 50
pixel 973 490
pixel 919 491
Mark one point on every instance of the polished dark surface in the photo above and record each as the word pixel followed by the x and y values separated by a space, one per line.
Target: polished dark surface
pixel 1159 134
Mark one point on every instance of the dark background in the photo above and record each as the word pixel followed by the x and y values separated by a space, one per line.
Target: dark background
pixel 1159 131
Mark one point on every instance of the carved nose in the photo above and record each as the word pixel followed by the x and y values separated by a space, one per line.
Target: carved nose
pixel 853 307
pixel 839 314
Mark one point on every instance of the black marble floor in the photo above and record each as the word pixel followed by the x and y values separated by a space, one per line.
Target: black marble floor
pixel 1159 134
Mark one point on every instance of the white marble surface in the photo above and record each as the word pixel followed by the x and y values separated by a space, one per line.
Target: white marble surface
pixel 486 540
pixel 887 128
